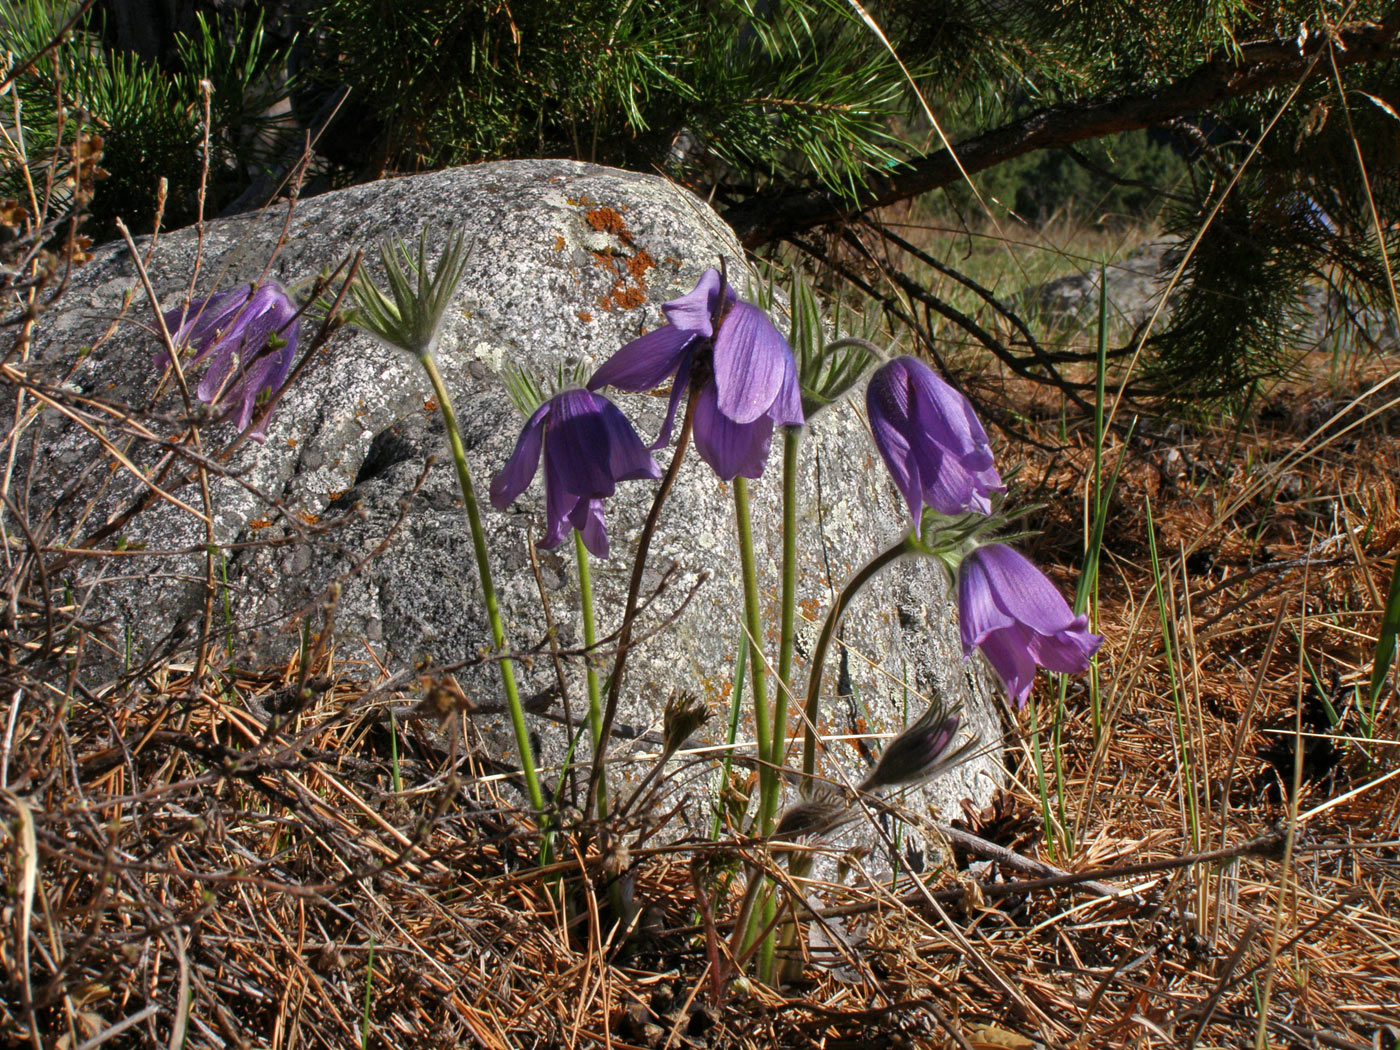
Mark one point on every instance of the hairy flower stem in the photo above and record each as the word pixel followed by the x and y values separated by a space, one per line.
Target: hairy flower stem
pixel 853 587
pixel 753 627
pixel 777 755
pixel 629 611
pixel 488 589
pixel 590 639
pixel 768 781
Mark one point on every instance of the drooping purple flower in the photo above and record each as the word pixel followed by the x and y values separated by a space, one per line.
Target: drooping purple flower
pixel 249 336
pixel 1008 608
pixel 931 440
pixel 741 368
pixel 588 447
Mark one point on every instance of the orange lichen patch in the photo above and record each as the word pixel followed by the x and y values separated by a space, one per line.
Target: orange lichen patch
pixel 430 405
pixel 629 290
pixel 558 242
pixel 308 517
pixel 291 442
pixel 258 523
pixel 623 296
pixel 640 263
pixel 606 220
pixel 584 315
pixel 335 494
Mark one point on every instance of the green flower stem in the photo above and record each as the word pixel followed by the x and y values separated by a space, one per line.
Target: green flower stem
pixel 590 639
pixel 777 756
pixel 1038 760
pixel 488 588
pixel 768 783
pixel 634 590
pixel 736 703
pixel 833 617
pixel 753 626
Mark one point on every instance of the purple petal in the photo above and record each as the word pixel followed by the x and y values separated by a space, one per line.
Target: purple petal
pixel 205 318
pixel 731 448
pixel 694 312
pixel 1022 590
pixel 218 375
pixel 887 407
pixel 245 347
pixel 787 408
pixel 628 458
pixel 559 504
pixel 1019 618
pixel 751 362
pixel 576 451
pixel 679 386
pixel 987 482
pixel 952 489
pixel 1009 655
pixel 644 362
pixel 283 359
pixel 930 439
pixel 979 613
pixel 250 387
pixel 516 475
pixel 1067 652
pixel 587 518
pixel 946 415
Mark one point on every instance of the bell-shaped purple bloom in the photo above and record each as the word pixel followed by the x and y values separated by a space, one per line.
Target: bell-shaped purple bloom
pixel 931 440
pixel 249 336
pixel 746 376
pixel 588 447
pixel 1008 608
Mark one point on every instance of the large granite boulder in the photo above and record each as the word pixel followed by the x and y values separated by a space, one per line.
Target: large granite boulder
pixel 570 261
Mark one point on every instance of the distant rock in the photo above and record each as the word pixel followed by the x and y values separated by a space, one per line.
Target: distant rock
pixel 571 260
pixel 1137 281
pixel 1135 286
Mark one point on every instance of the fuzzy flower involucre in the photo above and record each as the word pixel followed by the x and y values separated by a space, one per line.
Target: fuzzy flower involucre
pixel 1016 616
pixel 249 336
pixel 588 447
pixel 740 368
pixel 931 440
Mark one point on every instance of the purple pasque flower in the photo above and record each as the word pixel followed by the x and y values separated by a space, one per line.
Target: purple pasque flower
pixel 1009 609
pixel 588 447
pixel 249 335
pixel 931 440
pixel 734 362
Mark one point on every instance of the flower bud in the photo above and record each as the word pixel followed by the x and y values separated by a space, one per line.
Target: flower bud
pixel 921 752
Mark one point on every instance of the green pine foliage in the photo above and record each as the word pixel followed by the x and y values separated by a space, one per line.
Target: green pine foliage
pixel 151 120
pixel 1240 313
pixel 1300 217
pixel 745 90
pixel 1300 221
pixel 750 100
pixel 1115 181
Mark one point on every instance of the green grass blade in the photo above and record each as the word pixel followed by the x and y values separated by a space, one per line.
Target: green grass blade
pixel 736 704
pixel 1385 643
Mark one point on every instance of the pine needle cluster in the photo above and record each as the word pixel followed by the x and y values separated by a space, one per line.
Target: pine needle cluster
pixel 736 90
pixel 152 119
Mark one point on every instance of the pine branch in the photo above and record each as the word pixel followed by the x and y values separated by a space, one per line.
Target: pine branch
pixel 1255 67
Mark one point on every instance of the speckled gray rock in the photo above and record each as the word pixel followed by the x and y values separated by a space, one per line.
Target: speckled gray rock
pixel 1135 286
pixel 570 261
